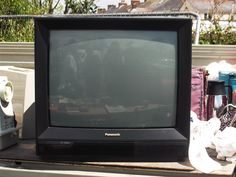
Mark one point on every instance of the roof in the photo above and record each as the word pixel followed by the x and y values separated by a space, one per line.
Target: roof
pixel 121 9
pixel 204 6
pixel 200 6
pixel 163 5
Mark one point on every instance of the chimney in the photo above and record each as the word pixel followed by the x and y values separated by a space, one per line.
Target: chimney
pixel 111 7
pixel 101 10
pixel 122 3
pixel 135 3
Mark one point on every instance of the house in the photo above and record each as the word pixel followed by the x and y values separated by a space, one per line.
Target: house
pixel 124 7
pixel 223 9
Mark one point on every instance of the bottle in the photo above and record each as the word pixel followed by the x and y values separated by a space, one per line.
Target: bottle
pixel 233 86
pixel 216 98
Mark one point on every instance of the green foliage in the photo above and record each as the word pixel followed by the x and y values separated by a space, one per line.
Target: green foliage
pixel 217 34
pixel 87 6
pixel 80 6
pixel 16 7
pixel 45 6
pixel 16 30
pixel 22 29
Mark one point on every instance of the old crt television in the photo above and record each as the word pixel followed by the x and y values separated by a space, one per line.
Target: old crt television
pixel 112 88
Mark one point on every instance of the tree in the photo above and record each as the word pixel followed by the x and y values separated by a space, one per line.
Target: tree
pixel 14 7
pixel 79 7
pixel 87 6
pixel 16 29
pixel 216 12
pixel 45 6
pixel 216 33
pixel 22 29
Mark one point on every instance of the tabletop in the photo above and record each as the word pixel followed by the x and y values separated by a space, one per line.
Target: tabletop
pixel 20 160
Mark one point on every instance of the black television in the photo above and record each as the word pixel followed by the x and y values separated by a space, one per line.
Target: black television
pixel 112 88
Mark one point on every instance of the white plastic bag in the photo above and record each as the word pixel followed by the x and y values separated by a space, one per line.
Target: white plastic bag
pixel 201 134
pixel 225 144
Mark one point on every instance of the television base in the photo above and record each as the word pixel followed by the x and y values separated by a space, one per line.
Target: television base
pixel 111 152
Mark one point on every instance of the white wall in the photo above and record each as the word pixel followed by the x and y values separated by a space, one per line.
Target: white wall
pixel 22 54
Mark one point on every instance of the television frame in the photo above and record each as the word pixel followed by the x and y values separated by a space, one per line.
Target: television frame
pixel 99 144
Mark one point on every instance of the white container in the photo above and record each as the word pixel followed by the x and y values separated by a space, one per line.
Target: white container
pixel 8 138
pixel 8 132
pixel 24 97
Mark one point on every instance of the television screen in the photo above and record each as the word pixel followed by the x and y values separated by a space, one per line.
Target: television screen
pixel 112 79
pixel 112 88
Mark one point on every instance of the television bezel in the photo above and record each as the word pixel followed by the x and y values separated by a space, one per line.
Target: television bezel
pixel 177 136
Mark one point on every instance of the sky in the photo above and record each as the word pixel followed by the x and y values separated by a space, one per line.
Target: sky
pixel 104 3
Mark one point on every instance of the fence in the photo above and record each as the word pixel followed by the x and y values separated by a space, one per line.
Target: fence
pixel 20 28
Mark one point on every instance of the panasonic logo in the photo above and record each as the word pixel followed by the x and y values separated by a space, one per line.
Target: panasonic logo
pixel 112 134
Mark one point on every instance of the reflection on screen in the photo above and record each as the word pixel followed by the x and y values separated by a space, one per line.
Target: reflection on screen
pixel 112 78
